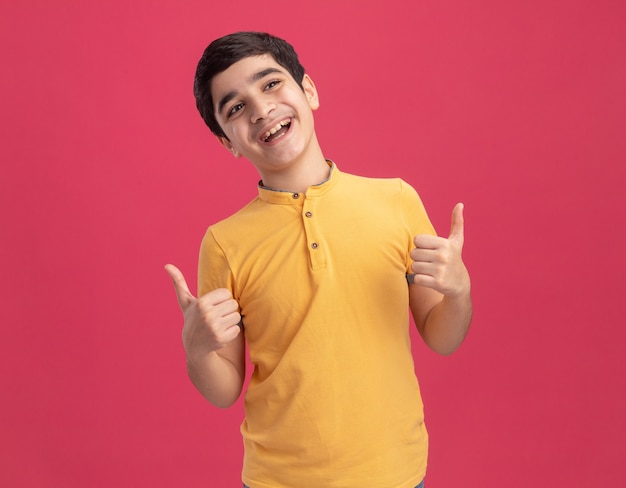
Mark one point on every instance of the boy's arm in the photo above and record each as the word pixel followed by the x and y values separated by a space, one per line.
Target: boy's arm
pixel 439 293
pixel 212 340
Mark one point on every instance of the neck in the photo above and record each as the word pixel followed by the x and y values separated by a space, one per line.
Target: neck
pixel 299 176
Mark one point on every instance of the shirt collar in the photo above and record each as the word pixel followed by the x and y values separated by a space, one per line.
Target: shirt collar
pixel 285 197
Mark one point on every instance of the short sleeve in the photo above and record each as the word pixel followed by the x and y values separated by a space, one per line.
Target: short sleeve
pixel 415 217
pixel 213 267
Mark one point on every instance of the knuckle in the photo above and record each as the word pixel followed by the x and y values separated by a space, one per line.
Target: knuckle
pixel 209 316
pixel 222 293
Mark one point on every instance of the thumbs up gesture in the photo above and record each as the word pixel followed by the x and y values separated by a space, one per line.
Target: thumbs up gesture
pixel 437 261
pixel 211 321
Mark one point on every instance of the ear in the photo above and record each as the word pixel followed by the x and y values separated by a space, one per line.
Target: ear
pixel 228 145
pixel 311 92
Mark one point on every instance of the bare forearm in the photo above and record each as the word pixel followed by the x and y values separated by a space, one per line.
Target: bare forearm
pixel 447 324
pixel 216 378
pixel 439 295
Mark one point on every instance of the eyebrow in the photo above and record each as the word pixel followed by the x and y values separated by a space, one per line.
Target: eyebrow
pixel 255 77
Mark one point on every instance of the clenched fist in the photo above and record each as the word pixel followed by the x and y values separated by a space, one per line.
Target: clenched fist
pixel 437 261
pixel 211 321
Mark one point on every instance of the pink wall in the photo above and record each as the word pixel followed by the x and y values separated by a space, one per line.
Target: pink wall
pixel 517 109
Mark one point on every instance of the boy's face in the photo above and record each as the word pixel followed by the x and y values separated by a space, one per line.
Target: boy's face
pixel 264 113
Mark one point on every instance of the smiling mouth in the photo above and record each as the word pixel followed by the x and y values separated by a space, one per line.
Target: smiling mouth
pixel 276 132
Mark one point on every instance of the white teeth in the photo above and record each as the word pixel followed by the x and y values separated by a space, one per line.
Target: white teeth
pixel 276 128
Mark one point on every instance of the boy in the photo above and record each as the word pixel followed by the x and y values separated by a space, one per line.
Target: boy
pixel 317 275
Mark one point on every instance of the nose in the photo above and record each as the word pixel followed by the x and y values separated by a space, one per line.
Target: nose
pixel 261 108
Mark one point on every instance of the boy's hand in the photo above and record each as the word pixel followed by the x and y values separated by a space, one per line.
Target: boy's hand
pixel 211 321
pixel 437 261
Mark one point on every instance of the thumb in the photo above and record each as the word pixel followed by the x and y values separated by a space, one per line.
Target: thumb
pixel 457 226
pixel 185 298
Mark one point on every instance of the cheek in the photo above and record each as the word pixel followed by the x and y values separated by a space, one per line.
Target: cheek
pixel 307 115
pixel 236 134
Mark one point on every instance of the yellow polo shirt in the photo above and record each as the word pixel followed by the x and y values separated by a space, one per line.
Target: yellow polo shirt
pixel 320 277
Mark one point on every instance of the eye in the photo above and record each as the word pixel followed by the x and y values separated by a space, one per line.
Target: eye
pixel 235 108
pixel 272 84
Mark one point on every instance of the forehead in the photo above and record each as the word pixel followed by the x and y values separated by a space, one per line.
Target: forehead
pixel 238 76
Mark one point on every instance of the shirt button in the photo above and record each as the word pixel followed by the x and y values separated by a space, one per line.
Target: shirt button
pixel 314 245
pixel 309 214
pixel 296 196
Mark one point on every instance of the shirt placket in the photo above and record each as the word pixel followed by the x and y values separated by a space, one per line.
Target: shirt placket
pixel 312 229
